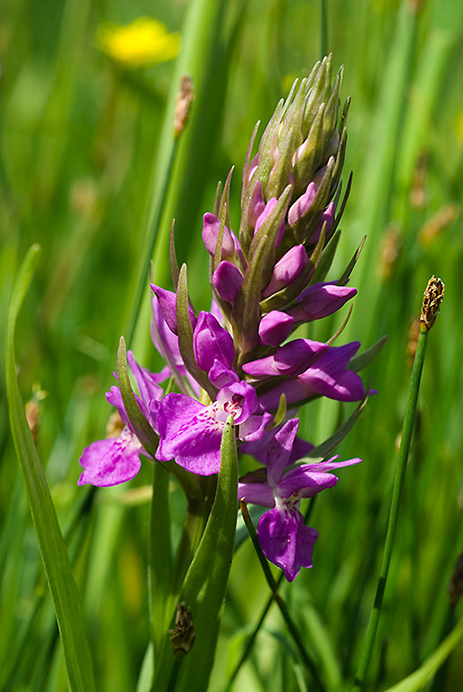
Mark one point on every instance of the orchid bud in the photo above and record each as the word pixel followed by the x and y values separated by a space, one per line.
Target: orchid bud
pixel 227 280
pixel 211 227
pixel 321 300
pixel 211 342
pixel 302 204
pixel 290 360
pixel 275 327
pixel 287 269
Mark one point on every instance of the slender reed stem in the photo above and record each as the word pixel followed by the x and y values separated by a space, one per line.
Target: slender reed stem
pixel 308 662
pixel 394 511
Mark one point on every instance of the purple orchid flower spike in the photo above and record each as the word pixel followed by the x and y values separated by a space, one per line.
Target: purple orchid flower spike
pixel 285 539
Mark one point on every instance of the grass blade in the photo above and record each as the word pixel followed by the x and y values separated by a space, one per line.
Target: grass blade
pixel 53 550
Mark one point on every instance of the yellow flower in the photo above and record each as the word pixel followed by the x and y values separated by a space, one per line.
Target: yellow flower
pixel 143 42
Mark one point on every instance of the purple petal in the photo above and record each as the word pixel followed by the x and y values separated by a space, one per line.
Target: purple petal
pixel 303 204
pixel 211 227
pixel 287 269
pixel 253 428
pixel 268 211
pixel 220 375
pixel 303 482
pixel 289 360
pixel 275 327
pixel 168 306
pixel 239 399
pixel 147 382
pixel 112 461
pixel 258 449
pixel 330 376
pixel 322 466
pixel 114 397
pixel 328 218
pixel 212 342
pixel 252 490
pixel 279 451
pixel 321 300
pixel 286 540
pixel 227 280
pixel 189 433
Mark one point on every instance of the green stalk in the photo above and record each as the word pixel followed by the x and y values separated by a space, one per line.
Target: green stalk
pixel 253 635
pixel 431 303
pixel 308 662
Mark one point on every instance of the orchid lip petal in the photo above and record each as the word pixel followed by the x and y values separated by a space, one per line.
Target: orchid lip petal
pixel 111 461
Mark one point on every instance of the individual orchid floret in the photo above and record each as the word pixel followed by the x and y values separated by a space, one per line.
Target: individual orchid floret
pixel 302 204
pixel 230 243
pixel 275 327
pixel 287 269
pixel 227 281
pixel 116 459
pixel 289 360
pixel 190 432
pixel 213 350
pixel 321 300
pixel 329 377
pixel 285 539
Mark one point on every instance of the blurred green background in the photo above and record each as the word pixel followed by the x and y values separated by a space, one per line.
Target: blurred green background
pixel 82 155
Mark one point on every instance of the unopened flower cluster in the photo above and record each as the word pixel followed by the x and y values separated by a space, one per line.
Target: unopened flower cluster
pixel 267 279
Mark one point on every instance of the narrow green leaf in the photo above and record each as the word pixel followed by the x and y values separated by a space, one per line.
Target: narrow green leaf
pixel 205 584
pixel 53 550
pixel 145 678
pixel 321 451
pixel 417 680
pixel 363 359
pixel 342 281
pixel 326 259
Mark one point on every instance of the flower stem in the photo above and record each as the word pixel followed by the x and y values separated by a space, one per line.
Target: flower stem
pixel 273 584
pixel 398 484
pixel 255 632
